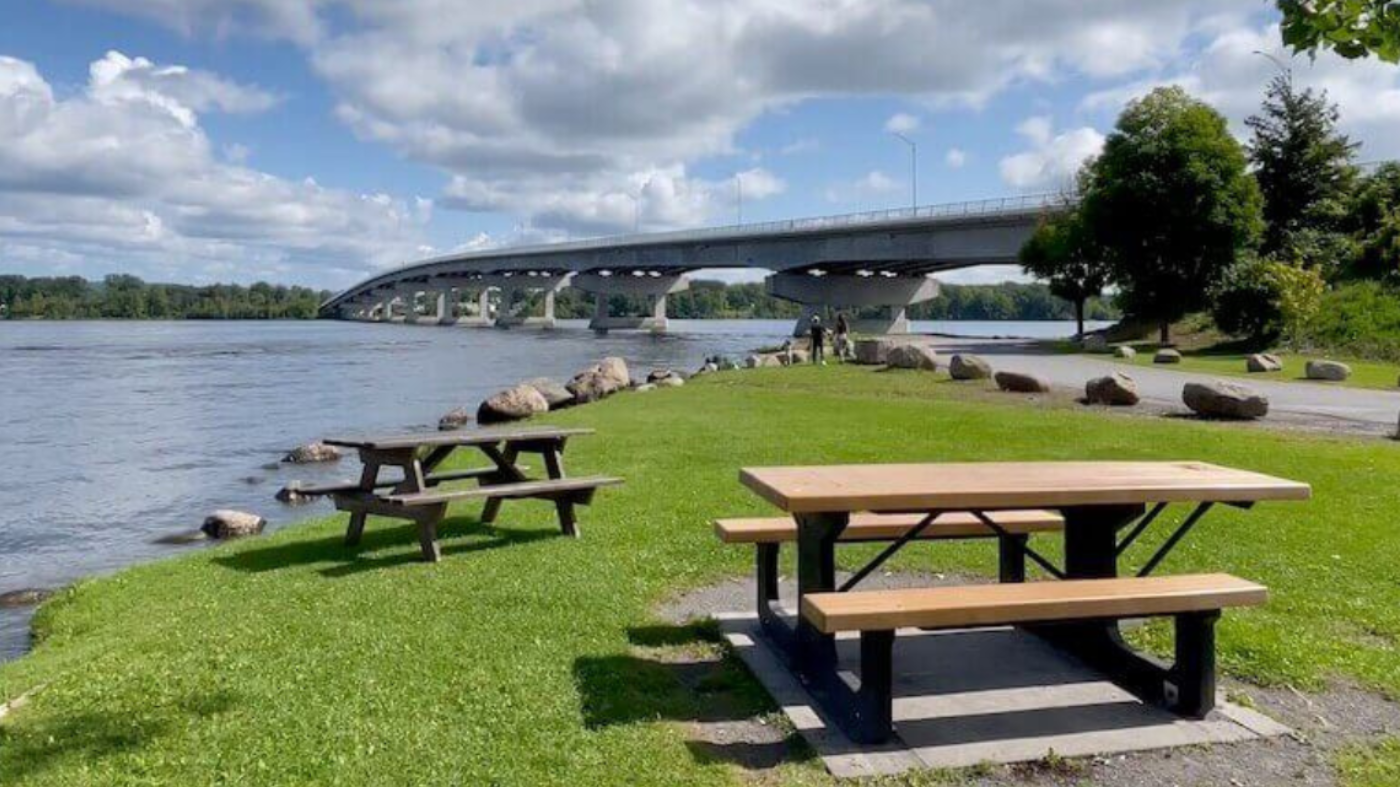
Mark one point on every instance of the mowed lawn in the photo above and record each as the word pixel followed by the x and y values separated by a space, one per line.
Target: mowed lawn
pixel 1365 374
pixel 292 659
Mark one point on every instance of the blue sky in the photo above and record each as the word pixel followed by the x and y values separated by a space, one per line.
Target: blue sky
pixel 313 142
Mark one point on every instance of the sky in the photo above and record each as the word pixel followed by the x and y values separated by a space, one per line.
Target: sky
pixel 317 141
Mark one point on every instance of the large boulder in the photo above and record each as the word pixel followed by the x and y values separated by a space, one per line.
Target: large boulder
pixel 512 404
pixel 555 394
pixel 1117 390
pixel 873 352
pixel 912 356
pixel 1263 362
pixel 458 418
pixel 1219 399
pixel 726 364
pixel 615 369
pixel 1124 351
pixel 794 357
pixel 227 523
pixel 25 597
pixel 1095 343
pixel 1167 355
pixel 1020 382
pixel 969 367
pixel 1327 370
pixel 760 360
pixel 312 453
pixel 293 494
pixel 675 381
pixel 657 375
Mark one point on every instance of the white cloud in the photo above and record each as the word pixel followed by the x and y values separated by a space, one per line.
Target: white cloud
pixel 902 123
pixel 1230 74
pixel 955 158
pixel 556 109
pixel 803 145
pixel 871 185
pixel 122 176
pixel 1053 159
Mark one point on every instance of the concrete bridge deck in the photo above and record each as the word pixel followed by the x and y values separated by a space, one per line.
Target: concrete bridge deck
pixel 882 259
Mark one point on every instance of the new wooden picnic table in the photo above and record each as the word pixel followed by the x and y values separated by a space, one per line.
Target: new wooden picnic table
pixel 413 496
pixel 1098 500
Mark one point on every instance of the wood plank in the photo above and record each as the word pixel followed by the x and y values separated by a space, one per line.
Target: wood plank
pixel 543 488
pixel 435 478
pixel 463 437
pixel 973 606
pixel 1007 485
pixel 887 527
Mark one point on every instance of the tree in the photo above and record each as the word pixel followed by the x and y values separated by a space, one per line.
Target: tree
pixel 1063 254
pixel 1171 204
pixel 1351 28
pixel 1264 299
pixel 1305 173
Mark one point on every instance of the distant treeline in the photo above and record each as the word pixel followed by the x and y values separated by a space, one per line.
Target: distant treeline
pixel 129 298
pixel 715 300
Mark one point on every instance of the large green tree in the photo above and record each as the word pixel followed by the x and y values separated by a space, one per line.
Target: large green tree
pixel 1062 253
pixel 1351 28
pixel 1305 173
pixel 1171 204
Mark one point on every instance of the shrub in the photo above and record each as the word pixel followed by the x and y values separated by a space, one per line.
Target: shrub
pixel 1361 319
pixel 1263 300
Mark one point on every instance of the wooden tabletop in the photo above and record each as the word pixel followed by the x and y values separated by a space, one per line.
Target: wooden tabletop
pixel 459 437
pixel 1009 485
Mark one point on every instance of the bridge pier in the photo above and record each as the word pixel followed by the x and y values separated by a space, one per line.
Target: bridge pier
pixel 510 308
pixel 650 286
pixel 894 293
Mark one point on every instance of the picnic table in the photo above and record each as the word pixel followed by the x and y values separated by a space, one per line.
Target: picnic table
pixel 415 494
pixel 1106 507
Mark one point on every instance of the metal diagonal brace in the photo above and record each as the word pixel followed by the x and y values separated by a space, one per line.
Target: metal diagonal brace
pixel 889 551
pixel 1137 531
pixel 1171 542
pixel 1030 553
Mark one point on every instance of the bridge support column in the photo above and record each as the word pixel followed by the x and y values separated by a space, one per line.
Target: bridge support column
pixel 444 303
pixel 894 294
pixel 511 308
pixel 653 288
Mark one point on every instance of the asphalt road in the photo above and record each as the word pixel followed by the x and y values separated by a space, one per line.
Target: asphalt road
pixel 1318 404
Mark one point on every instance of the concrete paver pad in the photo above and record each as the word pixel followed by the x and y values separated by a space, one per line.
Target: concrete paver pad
pixel 997 695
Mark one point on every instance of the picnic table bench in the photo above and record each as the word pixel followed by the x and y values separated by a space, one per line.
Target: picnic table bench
pixel 1098 502
pixel 417 495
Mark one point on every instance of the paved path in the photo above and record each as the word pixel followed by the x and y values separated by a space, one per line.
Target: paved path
pixel 1351 409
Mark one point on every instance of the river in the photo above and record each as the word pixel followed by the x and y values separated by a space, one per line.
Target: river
pixel 113 434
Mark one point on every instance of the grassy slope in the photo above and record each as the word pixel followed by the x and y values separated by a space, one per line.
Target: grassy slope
pixel 1365 374
pixel 292 659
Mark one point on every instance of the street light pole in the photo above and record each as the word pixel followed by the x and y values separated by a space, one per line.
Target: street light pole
pixel 739 190
pixel 913 168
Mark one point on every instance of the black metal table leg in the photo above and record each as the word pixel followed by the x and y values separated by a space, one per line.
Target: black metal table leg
pixel 816 573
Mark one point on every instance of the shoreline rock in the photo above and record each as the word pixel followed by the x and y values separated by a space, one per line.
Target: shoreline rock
pixel 312 453
pixel 227 523
pixel 25 597
pixel 555 394
pixel 512 404
pixel 912 356
pixel 455 419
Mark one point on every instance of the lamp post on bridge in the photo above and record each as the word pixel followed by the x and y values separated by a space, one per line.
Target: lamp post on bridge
pixel 913 168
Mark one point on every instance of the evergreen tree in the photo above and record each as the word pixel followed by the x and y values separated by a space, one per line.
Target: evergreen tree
pixel 1303 165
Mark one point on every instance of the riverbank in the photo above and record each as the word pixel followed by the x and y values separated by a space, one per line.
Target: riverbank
pixel 525 658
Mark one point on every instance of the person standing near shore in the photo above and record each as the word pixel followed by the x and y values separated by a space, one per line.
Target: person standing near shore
pixel 818 334
pixel 842 340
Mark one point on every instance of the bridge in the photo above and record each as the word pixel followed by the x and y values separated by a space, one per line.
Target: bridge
pixel 856 261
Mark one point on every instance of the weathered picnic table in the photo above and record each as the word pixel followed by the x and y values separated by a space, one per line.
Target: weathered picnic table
pixel 415 495
pixel 1098 502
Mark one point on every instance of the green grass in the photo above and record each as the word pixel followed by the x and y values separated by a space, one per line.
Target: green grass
pixel 1365 374
pixel 524 658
